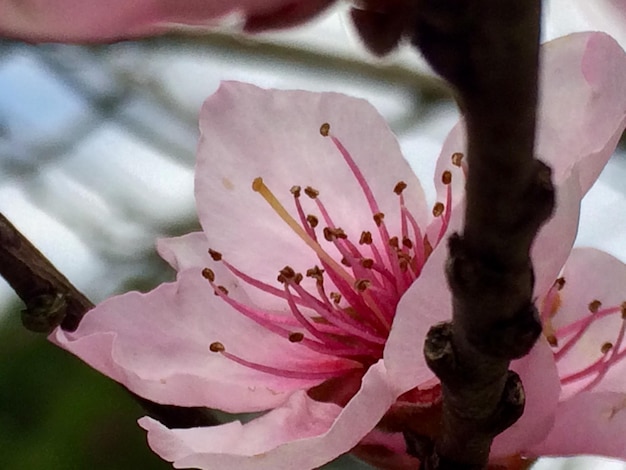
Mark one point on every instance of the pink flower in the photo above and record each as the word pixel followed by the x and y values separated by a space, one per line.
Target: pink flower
pixel 312 188
pixel 94 21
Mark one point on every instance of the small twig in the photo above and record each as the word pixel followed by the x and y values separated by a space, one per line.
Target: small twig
pixel 488 51
pixel 51 300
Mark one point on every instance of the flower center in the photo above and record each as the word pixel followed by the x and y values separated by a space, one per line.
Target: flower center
pixel 343 306
pixel 599 321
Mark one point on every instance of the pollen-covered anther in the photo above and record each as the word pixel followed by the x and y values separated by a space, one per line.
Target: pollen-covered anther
pixel 407 242
pixel 446 177
pixel 335 297
pixel 438 209
pixel 312 220
pixel 378 218
pixel 215 255
pixel 295 190
pixel 559 283
pixel 394 242
pixel 457 158
pixel 606 347
pixel 345 262
pixel 362 284
pixel 316 273
pixel 325 129
pixel 208 274
pixel 594 306
pixel 286 274
pixel 217 347
pixel 298 278
pixel 552 341
pixel 311 192
pixel 367 263
pixel 296 337
pixel 366 238
pixel 222 289
pixel 399 187
pixel 623 309
pixel 331 234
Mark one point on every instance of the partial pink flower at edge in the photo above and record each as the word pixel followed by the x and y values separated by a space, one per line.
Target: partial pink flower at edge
pixel 93 21
pixel 265 345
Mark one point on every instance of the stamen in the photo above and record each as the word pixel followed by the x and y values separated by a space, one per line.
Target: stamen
pixel 296 337
pixel 311 192
pixel 438 209
pixel 399 187
pixel 594 306
pixel 217 347
pixel 215 255
pixel 208 274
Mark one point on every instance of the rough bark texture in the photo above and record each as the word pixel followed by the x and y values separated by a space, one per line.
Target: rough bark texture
pixel 488 51
pixel 51 300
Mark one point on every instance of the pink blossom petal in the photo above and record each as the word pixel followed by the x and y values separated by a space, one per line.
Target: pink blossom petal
pixel 240 142
pixel 93 21
pixel 541 386
pixel 592 275
pixel 589 423
pixel 288 15
pixel 185 252
pixel 157 345
pixel 299 435
pixel 582 104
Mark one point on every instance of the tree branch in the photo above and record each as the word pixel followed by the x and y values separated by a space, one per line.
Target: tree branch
pixel 51 300
pixel 488 51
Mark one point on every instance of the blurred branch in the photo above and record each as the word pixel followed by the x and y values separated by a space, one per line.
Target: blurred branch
pixel 488 50
pixel 51 300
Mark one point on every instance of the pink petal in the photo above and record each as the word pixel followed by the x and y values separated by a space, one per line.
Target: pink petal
pixel 592 275
pixel 157 345
pixel 93 21
pixel 582 104
pixel 302 434
pixel 541 386
pixel 248 132
pixel 589 423
pixel 186 252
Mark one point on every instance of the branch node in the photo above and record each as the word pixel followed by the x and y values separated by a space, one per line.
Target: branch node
pixel 44 313
pixel 439 351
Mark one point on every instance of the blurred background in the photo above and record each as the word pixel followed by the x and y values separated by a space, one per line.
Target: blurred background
pixel 97 152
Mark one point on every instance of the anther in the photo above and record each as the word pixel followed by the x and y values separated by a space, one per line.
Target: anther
pixel 367 263
pixel 311 192
pixel 298 278
pixel 446 177
pixel 400 186
pixel 217 347
pixel 216 255
pixel 257 184
pixel 222 289
pixel 208 274
pixel 559 283
pixel 296 337
pixel 594 306
pixel 331 234
pixel 407 242
pixel 345 262
pixel 312 220
pixel 394 242
pixel 378 218
pixel 315 273
pixel 325 129
pixel 623 309
pixel 438 209
pixel 606 347
pixel 552 340
pixel 335 297
pixel 295 190
pixel 457 158
pixel 366 238
pixel 362 284
pixel 286 274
